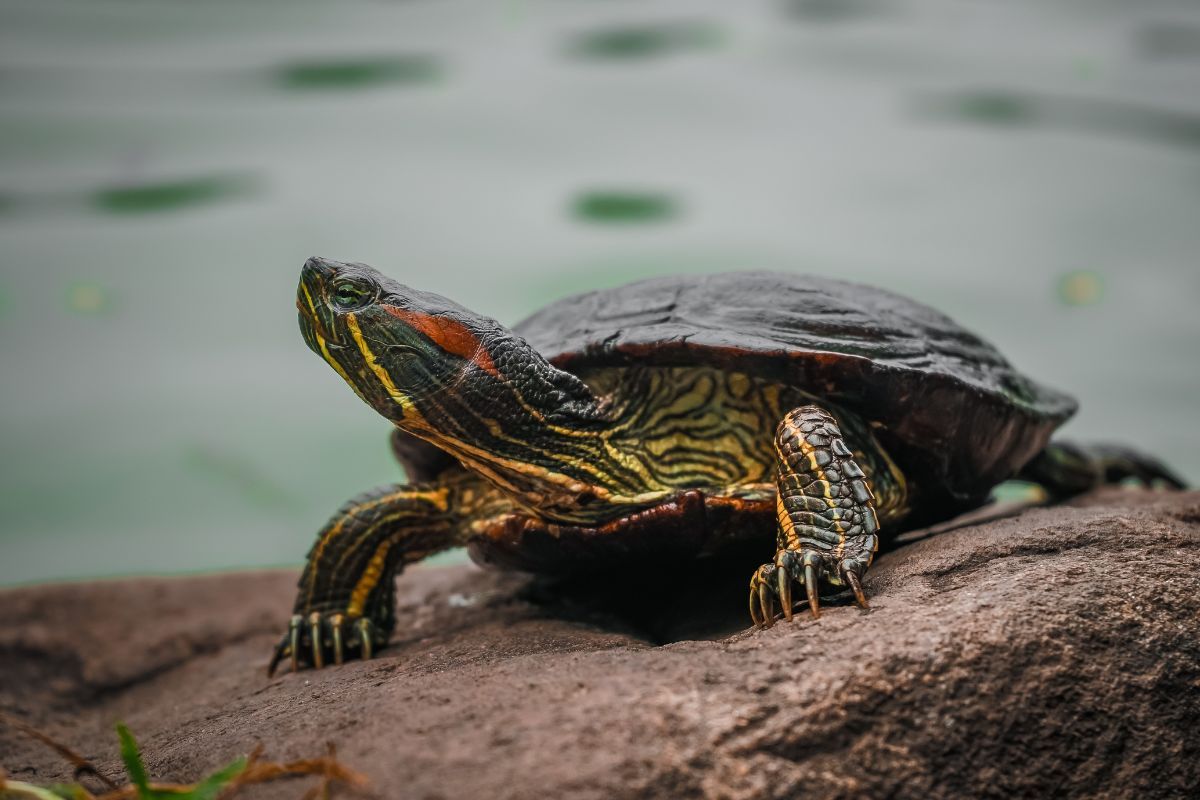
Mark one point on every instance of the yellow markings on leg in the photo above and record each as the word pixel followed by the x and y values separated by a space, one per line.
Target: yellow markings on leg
pixel 369 580
pixel 438 498
pixel 826 488
pixel 815 469
pixel 790 540
pixel 371 531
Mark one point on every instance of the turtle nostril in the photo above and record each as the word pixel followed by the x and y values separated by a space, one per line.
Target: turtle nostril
pixel 318 267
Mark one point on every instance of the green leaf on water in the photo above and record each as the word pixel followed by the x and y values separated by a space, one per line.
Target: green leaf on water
pixel 168 195
pixel 1000 108
pixel 645 41
pixel 621 207
pixel 358 73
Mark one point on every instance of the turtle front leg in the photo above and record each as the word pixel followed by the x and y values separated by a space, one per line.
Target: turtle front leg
pixel 346 602
pixel 826 509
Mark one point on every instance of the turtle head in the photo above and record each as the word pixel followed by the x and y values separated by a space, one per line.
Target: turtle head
pixel 394 345
pixel 425 362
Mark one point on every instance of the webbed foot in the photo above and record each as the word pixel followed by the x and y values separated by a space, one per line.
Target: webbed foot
pixel 322 638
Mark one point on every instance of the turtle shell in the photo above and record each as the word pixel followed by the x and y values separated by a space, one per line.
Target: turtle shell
pixel 950 409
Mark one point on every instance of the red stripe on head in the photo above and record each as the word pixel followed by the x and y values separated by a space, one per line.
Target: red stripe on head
pixel 448 334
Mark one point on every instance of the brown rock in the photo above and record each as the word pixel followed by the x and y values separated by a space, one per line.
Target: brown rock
pixel 1056 653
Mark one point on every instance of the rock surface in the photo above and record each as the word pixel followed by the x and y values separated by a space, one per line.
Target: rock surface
pixel 1052 653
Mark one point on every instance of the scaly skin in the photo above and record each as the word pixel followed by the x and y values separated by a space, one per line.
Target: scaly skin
pixel 611 450
pixel 1065 469
pixel 826 511
pixel 347 597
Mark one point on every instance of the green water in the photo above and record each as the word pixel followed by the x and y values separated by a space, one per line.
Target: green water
pixel 1031 168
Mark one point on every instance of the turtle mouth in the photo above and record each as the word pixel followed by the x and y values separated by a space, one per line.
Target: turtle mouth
pixel 317 338
pixel 311 325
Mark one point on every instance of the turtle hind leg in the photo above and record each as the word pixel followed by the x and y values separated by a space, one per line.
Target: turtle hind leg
pixel 827 526
pixel 346 600
pixel 1065 469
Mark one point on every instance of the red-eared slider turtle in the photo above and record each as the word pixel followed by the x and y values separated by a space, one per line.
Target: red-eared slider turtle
pixel 665 418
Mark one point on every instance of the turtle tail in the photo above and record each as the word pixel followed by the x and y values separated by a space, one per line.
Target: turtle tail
pixel 1065 469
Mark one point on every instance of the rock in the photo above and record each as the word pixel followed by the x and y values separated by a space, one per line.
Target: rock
pixel 1052 653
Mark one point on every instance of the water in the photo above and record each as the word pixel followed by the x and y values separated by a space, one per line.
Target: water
pixel 1030 168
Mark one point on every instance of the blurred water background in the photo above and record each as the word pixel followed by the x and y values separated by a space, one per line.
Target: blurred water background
pixel 1030 168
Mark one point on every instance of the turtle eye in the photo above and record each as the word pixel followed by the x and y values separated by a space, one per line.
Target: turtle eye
pixel 349 295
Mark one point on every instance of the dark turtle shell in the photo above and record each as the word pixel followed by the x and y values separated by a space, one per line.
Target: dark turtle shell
pixel 952 411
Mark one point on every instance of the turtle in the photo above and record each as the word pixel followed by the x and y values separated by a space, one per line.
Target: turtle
pixel 667 418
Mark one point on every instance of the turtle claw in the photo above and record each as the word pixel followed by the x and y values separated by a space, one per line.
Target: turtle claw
pixel 810 587
pixel 366 634
pixel 287 647
pixel 335 622
pixel 294 641
pixel 784 584
pixel 767 603
pixel 762 598
pixel 773 582
pixel 318 654
pixel 322 638
pixel 856 586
